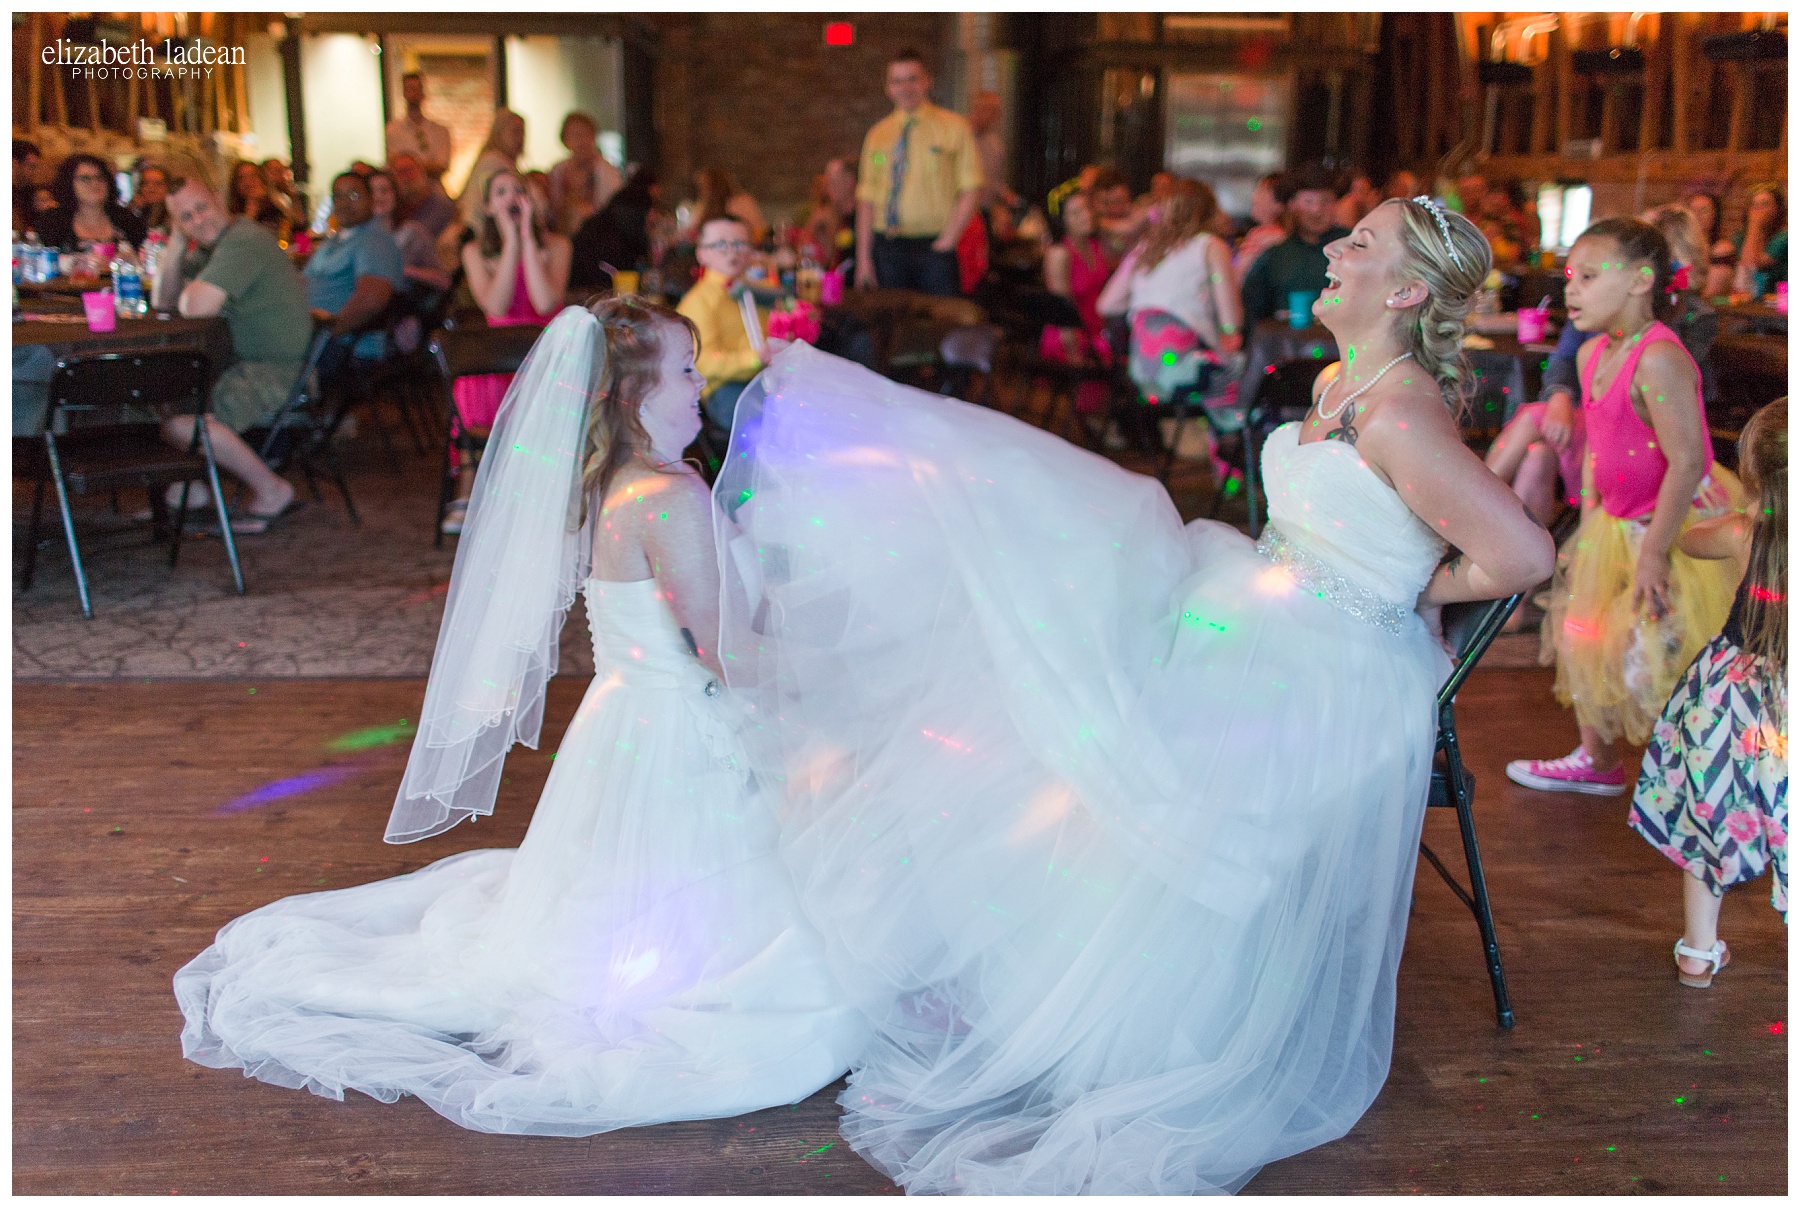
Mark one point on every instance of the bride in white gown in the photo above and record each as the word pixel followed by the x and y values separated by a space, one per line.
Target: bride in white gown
pixel 1110 825
pixel 640 957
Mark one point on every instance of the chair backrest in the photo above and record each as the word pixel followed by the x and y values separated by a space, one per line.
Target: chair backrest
pixel 1470 628
pixel 970 347
pixel 469 351
pixel 93 391
pixel 1285 392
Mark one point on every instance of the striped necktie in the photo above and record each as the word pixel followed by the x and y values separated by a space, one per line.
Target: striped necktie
pixel 898 176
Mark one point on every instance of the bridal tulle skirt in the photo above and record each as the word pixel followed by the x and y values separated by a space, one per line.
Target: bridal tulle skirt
pixel 1110 825
pixel 639 958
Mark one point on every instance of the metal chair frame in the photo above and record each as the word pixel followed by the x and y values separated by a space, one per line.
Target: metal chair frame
pixel 145 378
pixel 303 428
pixel 1453 785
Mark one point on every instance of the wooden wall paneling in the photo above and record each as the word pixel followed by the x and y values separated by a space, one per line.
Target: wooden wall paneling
pixel 1680 34
pixel 1656 76
pixel 1743 100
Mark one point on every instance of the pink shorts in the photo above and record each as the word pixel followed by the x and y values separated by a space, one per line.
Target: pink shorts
pixel 478 398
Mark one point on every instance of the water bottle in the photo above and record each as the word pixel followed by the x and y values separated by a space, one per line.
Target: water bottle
pixel 128 286
pixel 154 245
pixel 18 259
pixel 32 270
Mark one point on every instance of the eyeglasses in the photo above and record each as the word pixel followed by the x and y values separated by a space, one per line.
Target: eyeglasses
pixel 728 245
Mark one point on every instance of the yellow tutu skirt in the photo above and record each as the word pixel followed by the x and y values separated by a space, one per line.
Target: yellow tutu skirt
pixel 1615 665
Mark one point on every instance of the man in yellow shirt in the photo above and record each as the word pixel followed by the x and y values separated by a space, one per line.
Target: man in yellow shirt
pixel 919 185
pixel 727 358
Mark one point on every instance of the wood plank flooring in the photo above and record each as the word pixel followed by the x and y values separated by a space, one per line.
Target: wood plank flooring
pixel 146 815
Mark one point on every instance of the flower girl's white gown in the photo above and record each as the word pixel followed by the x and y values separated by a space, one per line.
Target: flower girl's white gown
pixel 638 958
pixel 1110 824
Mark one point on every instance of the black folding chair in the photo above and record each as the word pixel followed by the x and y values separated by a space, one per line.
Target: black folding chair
pixel 92 444
pixel 470 351
pixel 1284 395
pixel 1469 628
pixel 301 432
pixel 1029 314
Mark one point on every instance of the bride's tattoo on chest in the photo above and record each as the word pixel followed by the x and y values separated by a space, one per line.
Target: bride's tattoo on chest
pixel 1346 429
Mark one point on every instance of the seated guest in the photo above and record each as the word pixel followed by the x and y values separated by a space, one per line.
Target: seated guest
pixel 353 275
pixel 249 197
pixel 217 265
pixel 1502 219
pixel 716 194
pixel 28 162
pixel 1471 190
pixel 1359 196
pixel 1270 216
pixel 1121 225
pixel 617 235
pixel 500 153
pixel 1761 247
pixel 518 271
pixel 422 198
pixel 282 192
pixel 831 223
pixel 87 208
pixel 150 195
pixel 583 183
pixel 1402 184
pixel 418 251
pixel 1075 268
pixel 726 359
pixel 1297 263
pixel 1180 293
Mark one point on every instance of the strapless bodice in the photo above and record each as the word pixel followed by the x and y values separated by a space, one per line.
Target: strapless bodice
pixel 635 634
pixel 1328 507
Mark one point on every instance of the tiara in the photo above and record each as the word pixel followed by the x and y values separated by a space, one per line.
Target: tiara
pixel 1437 212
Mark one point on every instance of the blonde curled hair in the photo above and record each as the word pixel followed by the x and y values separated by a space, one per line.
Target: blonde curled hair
pixel 1451 257
pixel 627 367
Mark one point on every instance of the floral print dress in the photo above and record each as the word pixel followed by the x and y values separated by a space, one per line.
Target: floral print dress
pixel 1712 794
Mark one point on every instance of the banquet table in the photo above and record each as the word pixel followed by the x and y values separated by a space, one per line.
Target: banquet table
pixel 1507 373
pixel 43 334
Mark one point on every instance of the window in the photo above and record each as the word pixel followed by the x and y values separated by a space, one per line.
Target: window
pixel 1563 212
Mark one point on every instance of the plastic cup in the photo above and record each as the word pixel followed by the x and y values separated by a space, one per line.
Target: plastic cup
pixel 106 251
pixel 1533 325
pixel 625 282
pixel 1781 296
pixel 1300 304
pixel 97 305
pixel 831 289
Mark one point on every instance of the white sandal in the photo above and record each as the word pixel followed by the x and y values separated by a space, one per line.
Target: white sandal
pixel 1718 956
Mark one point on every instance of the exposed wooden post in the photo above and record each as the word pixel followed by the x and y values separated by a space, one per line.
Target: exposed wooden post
pixel 1743 99
pixel 1681 116
pixel 1656 75
pixel 1564 65
pixel 34 75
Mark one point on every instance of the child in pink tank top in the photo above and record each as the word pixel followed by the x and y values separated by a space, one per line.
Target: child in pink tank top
pixel 1629 610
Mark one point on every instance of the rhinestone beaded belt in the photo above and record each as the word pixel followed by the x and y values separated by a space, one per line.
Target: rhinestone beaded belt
pixel 1331 587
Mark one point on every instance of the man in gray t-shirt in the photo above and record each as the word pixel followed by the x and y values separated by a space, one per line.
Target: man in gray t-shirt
pixel 234 269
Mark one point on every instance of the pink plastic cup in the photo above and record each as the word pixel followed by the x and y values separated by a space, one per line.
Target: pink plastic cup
pixel 98 306
pixel 1781 296
pixel 1533 325
pixel 831 289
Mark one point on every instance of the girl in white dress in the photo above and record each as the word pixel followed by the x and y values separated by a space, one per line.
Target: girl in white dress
pixel 640 957
pixel 1111 825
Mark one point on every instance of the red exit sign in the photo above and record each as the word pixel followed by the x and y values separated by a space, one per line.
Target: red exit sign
pixel 840 33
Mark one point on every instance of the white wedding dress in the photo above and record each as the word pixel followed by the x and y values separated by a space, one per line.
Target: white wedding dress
pixel 1110 825
pixel 639 958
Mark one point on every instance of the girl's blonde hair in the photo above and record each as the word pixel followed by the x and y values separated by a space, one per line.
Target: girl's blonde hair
pixel 1762 459
pixel 1451 257
pixel 627 368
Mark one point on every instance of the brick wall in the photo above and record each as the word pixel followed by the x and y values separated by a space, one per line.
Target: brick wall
pixel 762 96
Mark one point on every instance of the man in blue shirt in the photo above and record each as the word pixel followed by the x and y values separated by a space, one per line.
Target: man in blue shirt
pixel 353 275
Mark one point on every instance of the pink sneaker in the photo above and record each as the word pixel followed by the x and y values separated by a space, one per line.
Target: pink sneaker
pixel 1573 773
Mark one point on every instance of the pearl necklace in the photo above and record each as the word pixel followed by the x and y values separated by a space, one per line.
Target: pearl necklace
pixel 1323 414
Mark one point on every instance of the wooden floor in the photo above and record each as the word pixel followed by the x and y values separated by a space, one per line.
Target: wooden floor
pixel 146 815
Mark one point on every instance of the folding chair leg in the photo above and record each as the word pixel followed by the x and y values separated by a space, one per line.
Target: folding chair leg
pixel 68 519
pixel 1462 798
pixel 336 469
pixel 218 494
pixel 31 538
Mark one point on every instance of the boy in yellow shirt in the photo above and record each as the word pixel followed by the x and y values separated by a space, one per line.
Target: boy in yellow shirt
pixel 727 358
